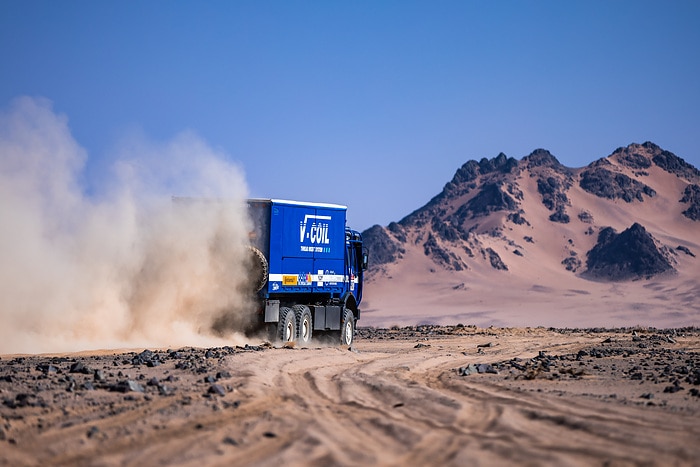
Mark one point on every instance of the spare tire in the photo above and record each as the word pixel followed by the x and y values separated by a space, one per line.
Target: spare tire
pixel 259 269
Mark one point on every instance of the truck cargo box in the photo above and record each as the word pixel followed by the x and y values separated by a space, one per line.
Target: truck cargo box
pixel 304 244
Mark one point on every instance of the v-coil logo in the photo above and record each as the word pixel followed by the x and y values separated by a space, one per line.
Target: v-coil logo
pixel 318 231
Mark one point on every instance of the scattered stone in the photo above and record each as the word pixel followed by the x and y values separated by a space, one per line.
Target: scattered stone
pixel 255 348
pixel 674 388
pixel 486 368
pixel 467 370
pixel 479 368
pixel 79 367
pixel 217 389
pixel 88 386
pixel 685 250
pixel 47 368
pixel 147 357
pixel 230 441
pixel 127 385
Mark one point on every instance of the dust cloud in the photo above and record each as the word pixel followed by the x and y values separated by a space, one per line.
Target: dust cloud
pixel 127 266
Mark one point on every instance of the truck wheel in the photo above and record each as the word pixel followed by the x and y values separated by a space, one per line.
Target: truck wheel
pixel 304 324
pixel 347 330
pixel 287 326
pixel 259 269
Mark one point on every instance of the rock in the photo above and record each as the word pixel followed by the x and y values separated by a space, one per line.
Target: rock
pixel 628 255
pixel 254 348
pixel 79 367
pixel 230 441
pixel 485 368
pixel 467 370
pixel 491 198
pixel 691 196
pixel 127 386
pixel 480 368
pixel 217 389
pixel 685 250
pixel 495 260
pixel 605 183
pixel 47 368
pixel 675 165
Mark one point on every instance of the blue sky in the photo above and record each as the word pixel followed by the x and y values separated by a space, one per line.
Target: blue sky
pixel 372 104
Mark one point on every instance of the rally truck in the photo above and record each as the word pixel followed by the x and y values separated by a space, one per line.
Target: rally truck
pixel 307 269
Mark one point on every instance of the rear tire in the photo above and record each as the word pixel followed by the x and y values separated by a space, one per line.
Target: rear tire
pixel 304 324
pixel 287 326
pixel 347 328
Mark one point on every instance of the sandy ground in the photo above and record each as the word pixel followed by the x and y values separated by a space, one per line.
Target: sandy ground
pixel 428 395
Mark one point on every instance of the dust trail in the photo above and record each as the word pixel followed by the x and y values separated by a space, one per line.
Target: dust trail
pixel 124 267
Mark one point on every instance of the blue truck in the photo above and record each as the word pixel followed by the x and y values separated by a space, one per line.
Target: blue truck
pixel 307 269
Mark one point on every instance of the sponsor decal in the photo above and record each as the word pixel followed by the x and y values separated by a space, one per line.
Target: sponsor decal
pixel 304 279
pixel 315 234
pixel 290 280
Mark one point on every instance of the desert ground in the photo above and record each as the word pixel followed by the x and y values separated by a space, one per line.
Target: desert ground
pixel 417 395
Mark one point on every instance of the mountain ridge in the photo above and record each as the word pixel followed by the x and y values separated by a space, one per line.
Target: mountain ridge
pixel 633 215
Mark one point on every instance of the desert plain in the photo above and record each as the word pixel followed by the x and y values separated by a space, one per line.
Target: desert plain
pixel 529 314
pixel 414 395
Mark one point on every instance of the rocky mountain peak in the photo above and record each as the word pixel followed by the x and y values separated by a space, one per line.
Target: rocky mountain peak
pixel 495 201
pixel 542 158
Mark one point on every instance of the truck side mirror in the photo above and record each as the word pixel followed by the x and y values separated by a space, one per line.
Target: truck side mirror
pixel 365 260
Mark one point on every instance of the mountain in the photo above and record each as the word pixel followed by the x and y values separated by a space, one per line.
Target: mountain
pixel 533 242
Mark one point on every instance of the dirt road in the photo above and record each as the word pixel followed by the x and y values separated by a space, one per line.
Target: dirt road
pixel 409 396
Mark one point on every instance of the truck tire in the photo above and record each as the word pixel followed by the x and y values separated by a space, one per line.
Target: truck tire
pixel 259 269
pixel 304 324
pixel 347 328
pixel 287 326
